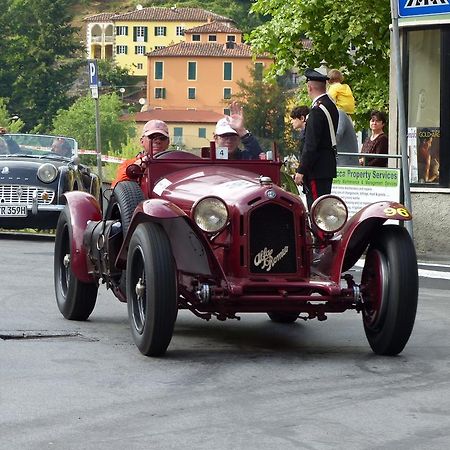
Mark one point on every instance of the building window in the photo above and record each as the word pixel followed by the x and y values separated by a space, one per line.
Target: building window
pixel 178 135
pixel 140 66
pixel 195 38
pixel 159 70
pixel 122 31
pixel 212 38
pixel 259 71
pixel 191 93
pixel 192 70
pixel 140 34
pixel 122 50
pixel 226 93
pixel 179 31
pixel 160 31
pixel 202 133
pixel 139 50
pixel 159 47
pixel 231 38
pixel 227 111
pixel 424 91
pixel 227 71
pixel 160 92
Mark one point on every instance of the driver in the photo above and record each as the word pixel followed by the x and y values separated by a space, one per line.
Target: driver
pixel 155 134
pixel 61 147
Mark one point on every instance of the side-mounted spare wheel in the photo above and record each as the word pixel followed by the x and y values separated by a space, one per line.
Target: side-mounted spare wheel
pixel 389 290
pixel 151 289
pixel 75 299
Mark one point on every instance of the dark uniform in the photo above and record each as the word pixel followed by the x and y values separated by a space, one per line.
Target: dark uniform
pixel 318 160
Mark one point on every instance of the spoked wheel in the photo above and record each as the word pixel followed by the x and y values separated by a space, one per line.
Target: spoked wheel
pixel 283 317
pixel 151 289
pixel 75 299
pixel 389 290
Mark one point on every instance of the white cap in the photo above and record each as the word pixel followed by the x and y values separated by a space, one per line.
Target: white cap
pixel 223 126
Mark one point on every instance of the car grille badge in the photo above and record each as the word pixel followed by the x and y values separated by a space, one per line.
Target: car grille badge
pixel 5 170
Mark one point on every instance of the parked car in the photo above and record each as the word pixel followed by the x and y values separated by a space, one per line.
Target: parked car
pixel 221 237
pixel 35 172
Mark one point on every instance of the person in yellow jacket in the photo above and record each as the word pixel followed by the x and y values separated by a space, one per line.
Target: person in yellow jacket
pixel 340 92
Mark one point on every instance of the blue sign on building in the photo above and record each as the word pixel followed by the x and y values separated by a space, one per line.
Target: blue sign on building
pixel 407 8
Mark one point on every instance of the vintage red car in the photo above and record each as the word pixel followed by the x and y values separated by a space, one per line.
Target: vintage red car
pixel 222 237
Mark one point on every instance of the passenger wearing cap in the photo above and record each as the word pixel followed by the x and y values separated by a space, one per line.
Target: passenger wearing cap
pixel 318 161
pixel 230 132
pixel 155 135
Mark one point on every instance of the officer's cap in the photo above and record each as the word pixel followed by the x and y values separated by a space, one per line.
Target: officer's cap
pixel 313 75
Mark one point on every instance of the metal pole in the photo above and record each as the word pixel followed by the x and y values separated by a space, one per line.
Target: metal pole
pixel 401 112
pixel 98 140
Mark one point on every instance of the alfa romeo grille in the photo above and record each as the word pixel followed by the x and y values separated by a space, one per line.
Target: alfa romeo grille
pixel 16 193
pixel 272 240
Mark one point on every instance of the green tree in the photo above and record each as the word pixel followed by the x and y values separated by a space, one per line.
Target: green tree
pixel 11 123
pixel 79 122
pixel 333 28
pixel 39 49
pixel 264 108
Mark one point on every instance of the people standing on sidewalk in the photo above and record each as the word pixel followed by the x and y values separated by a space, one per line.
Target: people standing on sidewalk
pixel 298 122
pixel 340 92
pixel 377 142
pixel 318 162
pixel 346 141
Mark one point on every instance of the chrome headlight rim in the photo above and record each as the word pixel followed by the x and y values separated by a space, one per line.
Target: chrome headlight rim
pixel 47 173
pixel 317 207
pixel 198 218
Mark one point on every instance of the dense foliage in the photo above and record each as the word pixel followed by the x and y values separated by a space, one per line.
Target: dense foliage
pixel 333 28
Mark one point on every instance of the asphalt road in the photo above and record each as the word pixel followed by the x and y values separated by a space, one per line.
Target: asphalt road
pixel 251 384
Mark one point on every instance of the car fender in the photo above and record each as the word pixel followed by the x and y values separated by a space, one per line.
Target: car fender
pixel 348 245
pixel 190 248
pixel 83 207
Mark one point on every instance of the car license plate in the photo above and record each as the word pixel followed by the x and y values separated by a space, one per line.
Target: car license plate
pixel 13 210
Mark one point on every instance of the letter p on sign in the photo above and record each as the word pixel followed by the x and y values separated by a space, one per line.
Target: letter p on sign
pixel 93 73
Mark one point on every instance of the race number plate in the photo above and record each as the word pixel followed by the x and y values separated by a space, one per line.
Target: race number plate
pixel 13 210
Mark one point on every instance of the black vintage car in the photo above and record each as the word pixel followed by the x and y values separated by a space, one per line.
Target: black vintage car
pixel 35 171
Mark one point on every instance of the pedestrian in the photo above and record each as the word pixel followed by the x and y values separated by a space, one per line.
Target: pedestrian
pixel 318 162
pixel 341 92
pixel 346 141
pixel 377 142
pixel 298 122
pixel 155 137
pixel 230 131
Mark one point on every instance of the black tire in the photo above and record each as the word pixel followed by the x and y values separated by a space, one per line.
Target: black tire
pixel 75 299
pixel 389 289
pixel 124 199
pixel 283 317
pixel 151 289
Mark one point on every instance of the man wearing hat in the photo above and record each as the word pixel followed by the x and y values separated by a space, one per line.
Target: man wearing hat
pixel 155 135
pixel 230 132
pixel 318 161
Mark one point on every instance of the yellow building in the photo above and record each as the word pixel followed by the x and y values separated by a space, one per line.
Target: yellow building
pixel 127 38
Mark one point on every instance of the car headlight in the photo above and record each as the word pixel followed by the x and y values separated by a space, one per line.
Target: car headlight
pixel 47 173
pixel 210 214
pixel 329 213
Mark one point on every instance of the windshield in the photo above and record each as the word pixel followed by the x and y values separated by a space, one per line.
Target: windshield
pixel 37 145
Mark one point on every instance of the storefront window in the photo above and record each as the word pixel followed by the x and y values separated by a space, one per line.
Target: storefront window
pixel 424 54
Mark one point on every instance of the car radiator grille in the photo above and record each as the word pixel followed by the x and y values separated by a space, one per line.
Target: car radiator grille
pixel 272 240
pixel 16 193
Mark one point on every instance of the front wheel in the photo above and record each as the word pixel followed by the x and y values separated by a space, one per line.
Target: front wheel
pixel 75 299
pixel 389 290
pixel 151 289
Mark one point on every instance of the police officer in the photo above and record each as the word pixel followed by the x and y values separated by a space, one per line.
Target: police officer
pixel 318 162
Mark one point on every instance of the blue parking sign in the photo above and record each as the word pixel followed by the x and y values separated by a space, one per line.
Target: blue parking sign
pixel 407 8
pixel 93 72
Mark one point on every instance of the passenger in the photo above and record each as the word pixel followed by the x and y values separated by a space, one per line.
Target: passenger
pixel 8 145
pixel 230 132
pixel 61 147
pixel 155 134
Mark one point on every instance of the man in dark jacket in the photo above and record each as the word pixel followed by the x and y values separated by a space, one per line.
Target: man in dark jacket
pixel 318 162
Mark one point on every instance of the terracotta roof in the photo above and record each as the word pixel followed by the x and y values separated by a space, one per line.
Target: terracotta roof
pixel 102 17
pixel 157 13
pixel 211 49
pixel 177 116
pixel 214 27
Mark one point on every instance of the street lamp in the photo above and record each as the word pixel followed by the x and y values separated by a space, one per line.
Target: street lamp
pixel 122 90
